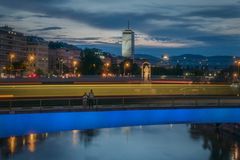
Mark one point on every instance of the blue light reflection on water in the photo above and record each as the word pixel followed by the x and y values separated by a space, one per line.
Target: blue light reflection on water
pixel 22 124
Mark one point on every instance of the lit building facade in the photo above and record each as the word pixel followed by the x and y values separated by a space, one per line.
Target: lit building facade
pixel 38 48
pixel 12 42
pixel 61 57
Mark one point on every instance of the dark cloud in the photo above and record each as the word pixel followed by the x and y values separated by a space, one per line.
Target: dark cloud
pixel 19 17
pixel 177 31
pixel 89 38
pixel 96 40
pixel 225 40
pixel 184 28
pixel 230 11
pixel 45 29
pixel 102 20
pixel 29 4
pixel 41 16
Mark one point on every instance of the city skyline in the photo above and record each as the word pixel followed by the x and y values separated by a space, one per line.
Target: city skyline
pixel 206 27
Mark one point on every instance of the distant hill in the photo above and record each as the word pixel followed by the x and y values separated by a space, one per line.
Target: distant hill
pixel 191 56
pixel 150 58
pixel 196 60
pixel 185 60
pixel 57 45
pixel 220 61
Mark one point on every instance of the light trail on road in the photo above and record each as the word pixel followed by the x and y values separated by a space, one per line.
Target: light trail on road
pixel 115 90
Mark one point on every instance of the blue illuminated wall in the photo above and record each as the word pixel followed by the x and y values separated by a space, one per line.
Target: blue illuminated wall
pixel 21 124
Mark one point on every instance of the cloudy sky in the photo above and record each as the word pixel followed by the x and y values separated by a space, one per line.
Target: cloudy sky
pixel 207 27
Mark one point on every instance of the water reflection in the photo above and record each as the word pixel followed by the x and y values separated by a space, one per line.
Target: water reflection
pixel 87 136
pixel 32 139
pixel 215 144
pixel 12 145
pixel 235 152
pixel 75 139
pixel 222 146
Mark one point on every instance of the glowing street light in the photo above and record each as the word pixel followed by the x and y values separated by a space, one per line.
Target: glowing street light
pixel 235 75
pixel 12 56
pixel 107 64
pixel 165 57
pixel 60 66
pixel 126 65
pixel 238 65
pixel 75 63
pixel 31 59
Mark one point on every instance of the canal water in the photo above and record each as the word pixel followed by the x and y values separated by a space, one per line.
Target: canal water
pixel 154 142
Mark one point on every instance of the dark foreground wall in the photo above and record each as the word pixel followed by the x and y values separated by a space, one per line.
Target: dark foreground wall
pixel 21 124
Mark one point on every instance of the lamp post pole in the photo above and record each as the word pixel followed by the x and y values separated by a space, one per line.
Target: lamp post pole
pixel 60 63
pixel 238 64
pixel 11 57
pixel 74 67
pixel 31 59
pixel 126 65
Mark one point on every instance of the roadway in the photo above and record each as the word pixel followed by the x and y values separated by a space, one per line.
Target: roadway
pixel 18 91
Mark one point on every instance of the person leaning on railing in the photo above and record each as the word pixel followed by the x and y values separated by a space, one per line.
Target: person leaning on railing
pixel 91 99
pixel 85 99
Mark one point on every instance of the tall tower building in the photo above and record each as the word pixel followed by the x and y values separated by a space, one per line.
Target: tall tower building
pixel 128 43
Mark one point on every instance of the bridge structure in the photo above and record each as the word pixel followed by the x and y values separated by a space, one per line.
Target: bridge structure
pixel 41 108
pixel 60 114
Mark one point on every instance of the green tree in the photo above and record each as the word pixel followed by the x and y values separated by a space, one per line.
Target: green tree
pixel 91 64
pixel 19 67
pixel 136 70
pixel 131 68
pixel 115 69
pixel 61 68
pixel 39 72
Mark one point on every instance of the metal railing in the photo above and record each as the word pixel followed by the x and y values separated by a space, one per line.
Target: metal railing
pixel 73 103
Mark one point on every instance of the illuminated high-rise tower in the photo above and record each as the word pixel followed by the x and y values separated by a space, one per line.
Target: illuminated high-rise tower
pixel 128 43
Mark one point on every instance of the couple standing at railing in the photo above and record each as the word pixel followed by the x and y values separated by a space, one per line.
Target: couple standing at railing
pixel 88 99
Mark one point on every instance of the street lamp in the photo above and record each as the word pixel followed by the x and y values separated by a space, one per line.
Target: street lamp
pixel 107 65
pixel 31 59
pixel 126 65
pixel 3 70
pixel 60 66
pixel 11 57
pixel 235 76
pixel 74 66
pixel 238 65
